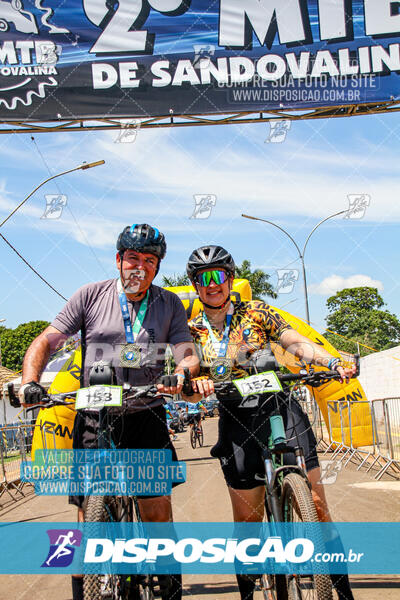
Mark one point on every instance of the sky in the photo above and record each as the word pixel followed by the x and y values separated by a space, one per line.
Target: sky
pixel 153 179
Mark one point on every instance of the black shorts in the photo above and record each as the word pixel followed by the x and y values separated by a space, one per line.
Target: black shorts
pixel 194 418
pixel 146 429
pixel 239 451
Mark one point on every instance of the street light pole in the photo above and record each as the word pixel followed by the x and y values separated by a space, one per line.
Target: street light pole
pixel 82 167
pixel 1 321
pixel 301 253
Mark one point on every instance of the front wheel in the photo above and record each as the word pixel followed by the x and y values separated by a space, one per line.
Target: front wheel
pixel 103 586
pixel 193 436
pixel 200 436
pixel 298 507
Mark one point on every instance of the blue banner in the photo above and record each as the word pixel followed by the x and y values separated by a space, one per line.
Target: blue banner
pixel 92 58
pixel 130 548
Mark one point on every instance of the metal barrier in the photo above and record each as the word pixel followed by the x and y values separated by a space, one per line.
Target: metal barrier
pixel 310 407
pixel 387 428
pixel 15 447
pixel 380 424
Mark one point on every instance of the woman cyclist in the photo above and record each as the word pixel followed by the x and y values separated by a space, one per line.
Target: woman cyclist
pixel 226 335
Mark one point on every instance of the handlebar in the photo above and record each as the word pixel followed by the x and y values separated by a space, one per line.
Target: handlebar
pixel 51 400
pixel 313 378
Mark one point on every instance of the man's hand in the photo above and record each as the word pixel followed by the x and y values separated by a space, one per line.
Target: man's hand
pixel 31 393
pixel 170 384
pixel 203 386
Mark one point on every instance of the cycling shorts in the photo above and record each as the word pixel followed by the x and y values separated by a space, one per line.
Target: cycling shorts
pixel 146 429
pixel 194 418
pixel 239 451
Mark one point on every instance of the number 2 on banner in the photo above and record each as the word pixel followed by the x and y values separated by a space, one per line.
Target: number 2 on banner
pixel 130 14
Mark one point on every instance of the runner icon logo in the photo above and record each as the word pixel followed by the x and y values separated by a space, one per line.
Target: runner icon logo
pixel 62 547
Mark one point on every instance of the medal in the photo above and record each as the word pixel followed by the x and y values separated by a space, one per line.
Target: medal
pixel 221 369
pixel 130 356
pixel 131 351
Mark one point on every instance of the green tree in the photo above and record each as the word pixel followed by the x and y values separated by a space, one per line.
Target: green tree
pixel 15 342
pixel 358 314
pixel 258 280
pixel 175 280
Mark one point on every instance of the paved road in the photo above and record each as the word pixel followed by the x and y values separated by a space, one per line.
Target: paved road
pixel 355 496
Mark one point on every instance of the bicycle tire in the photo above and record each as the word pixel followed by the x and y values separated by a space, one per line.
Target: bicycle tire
pixel 193 437
pixel 200 436
pixel 298 506
pixel 102 586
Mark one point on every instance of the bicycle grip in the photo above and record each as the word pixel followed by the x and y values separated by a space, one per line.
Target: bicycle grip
pixel 187 383
pixel 357 361
pixel 14 400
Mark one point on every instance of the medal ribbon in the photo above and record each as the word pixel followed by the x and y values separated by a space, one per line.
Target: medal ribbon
pixel 223 344
pixel 131 332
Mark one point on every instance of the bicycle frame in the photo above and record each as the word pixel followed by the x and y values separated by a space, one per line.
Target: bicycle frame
pixel 275 471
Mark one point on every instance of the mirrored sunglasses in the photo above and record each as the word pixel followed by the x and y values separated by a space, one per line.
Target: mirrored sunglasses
pixel 204 279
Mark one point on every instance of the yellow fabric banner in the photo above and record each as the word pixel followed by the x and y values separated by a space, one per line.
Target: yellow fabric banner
pixel 54 426
pixel 361 419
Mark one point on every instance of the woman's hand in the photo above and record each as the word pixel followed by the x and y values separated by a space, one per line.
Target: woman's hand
pixel 346 373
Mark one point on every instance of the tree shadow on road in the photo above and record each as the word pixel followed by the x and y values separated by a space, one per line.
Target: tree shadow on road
pixel 204 589
pixel 375 581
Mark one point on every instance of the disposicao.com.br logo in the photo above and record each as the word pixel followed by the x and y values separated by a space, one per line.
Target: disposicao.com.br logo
pixel 193 550
pixel 62 547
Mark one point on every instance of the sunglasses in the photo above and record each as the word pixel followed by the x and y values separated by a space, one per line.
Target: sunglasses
pixel 204 279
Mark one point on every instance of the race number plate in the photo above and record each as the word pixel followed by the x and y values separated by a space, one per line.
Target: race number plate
pixel 262 383
pixel 99 396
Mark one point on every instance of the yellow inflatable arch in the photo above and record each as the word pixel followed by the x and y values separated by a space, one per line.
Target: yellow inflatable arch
pixel 54 425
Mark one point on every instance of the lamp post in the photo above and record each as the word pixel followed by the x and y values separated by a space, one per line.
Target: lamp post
pixel 1 321
pixel 301 253
pixel 82 167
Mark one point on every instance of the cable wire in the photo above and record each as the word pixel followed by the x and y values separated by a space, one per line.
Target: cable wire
pixel 32 268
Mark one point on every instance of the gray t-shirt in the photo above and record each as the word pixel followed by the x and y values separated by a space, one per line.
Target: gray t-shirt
pixel 96 308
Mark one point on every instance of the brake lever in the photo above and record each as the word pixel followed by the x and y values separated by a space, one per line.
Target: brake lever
pixel 187 383
pixel 12 396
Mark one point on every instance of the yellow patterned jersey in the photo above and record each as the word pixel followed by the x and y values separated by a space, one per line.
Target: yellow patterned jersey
pixel 254 324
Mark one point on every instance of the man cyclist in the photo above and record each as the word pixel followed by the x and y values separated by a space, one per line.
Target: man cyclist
pixel 194 413
pixel 226 335
pixel 129 322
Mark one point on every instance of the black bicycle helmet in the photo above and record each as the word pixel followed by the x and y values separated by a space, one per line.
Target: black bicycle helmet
pixel 142 238
pixel 212 257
